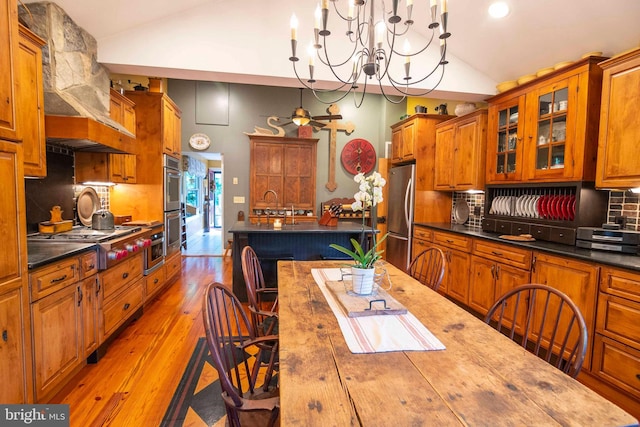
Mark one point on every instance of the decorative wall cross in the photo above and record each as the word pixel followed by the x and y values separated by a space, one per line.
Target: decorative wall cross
pixel 333 127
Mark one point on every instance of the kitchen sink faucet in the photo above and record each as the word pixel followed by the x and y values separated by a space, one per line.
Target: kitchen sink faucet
pixel 264 197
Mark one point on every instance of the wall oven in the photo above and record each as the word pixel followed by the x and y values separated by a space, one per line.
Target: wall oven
pixel 154 253
pixel 172 232
pixel 171 184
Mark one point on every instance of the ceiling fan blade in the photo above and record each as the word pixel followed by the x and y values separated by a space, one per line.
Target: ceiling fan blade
pixel 330 117
pixel 285 123
pixel 316 124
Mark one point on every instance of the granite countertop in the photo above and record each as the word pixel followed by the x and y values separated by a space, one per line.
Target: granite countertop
pixel 602 257
pixel 301 227
pixel 42 252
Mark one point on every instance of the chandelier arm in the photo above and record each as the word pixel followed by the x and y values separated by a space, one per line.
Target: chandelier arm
pixel 340 15
pixel 417 81
pixel 333 101
pixel 406 93
pixel 425 47
pixel 355 93
pixel 326 60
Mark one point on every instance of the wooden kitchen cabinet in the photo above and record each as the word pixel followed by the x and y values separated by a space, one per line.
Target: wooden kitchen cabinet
pixel 8 44
pixel 121 294
pixel 456 249
pixel 105 167
pixel 30 103
pixel 123 111
pixel 15 347
pixel 122 168
pixel 154 282
pixel 173 266
pixel 505 140
pixel 15 322
pixel 460 153
pixel 57 340
pixel 616 351
pixel 553 138
pixel 422 239
pixel 405 137
pixel 286 166
pixel 496 269
pixel 171 133
pixel 618 164
pixel 90 294
pixel 577 279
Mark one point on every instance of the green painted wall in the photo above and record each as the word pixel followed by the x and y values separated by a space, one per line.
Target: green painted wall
pixel 249 106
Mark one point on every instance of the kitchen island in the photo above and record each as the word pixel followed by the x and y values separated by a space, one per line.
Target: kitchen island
pixel 300 242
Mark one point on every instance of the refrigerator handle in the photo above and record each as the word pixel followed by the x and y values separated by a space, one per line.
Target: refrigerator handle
pixel 407 201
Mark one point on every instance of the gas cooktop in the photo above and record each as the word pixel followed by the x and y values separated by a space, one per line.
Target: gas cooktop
pixel 87 234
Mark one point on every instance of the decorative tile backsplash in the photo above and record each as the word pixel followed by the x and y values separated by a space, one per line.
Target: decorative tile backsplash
pixel 101 190
pixel 624 203
pixel 476 204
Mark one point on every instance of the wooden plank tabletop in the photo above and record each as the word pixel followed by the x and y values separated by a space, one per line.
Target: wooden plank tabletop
pixel 482 378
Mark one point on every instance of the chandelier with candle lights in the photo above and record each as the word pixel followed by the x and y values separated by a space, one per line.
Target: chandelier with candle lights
pixel 374 45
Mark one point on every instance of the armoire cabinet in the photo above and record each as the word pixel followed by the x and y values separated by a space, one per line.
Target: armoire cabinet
pixel 288 167
pixel 618 161
pixel 546 130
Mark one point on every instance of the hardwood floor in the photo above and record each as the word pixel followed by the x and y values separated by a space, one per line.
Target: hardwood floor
pixel 133 383
pixel 205 244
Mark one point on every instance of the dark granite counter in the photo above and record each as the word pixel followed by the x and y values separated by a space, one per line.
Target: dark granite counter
pixel 42 253
pixel 302 227
pixel 615 259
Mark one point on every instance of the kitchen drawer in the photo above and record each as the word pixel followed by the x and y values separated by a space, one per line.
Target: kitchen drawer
pixel 173 265
pixel 503 227
pixel 617 364
pixel 88 264
pixel 518 228
pixel 619 318
pixel 121 307
pixel 540 232
pixel 153 282
pixel 53 277
pixel 620 282
pixel 566 236
pixel 451 240
pixel 422 233
pixel 121 275
pixel 489 225
pixel 505 254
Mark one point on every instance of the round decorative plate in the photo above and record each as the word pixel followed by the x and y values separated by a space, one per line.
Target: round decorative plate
pixel 199 141
pixel 461 211
pixel 87 203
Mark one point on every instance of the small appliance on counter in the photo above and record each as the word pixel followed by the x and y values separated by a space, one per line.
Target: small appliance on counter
pixel 609 238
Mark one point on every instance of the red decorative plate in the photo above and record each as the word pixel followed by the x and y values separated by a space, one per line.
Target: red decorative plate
pixel 541 207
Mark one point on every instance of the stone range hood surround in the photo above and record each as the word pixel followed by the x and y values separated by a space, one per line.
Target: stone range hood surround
pixel 76 86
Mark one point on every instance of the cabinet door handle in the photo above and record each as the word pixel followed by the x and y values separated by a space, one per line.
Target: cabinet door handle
pixel 59 279
pixel 637 375
pixel 155 280
pixel 449 241
pixel 493 271
pixel 79 296
pixel 533 264
pixel 126 306
pixel 5 336
pixel 496 253
pixel 498 273
pixel 92 266
pixel 97 286
pixel 125 275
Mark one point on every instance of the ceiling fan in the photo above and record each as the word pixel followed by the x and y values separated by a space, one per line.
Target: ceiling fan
pixel 302 117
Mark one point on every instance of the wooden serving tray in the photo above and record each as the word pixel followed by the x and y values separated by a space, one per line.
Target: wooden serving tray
pixel 49 227
pixel 520 238
pixel 358 305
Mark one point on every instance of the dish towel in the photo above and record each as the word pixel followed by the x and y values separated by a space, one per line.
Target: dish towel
pixel 376 334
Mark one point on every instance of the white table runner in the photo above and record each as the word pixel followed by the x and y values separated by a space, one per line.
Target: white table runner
pixel 376 334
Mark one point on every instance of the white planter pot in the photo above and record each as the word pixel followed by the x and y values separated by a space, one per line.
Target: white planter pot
pixel 362 280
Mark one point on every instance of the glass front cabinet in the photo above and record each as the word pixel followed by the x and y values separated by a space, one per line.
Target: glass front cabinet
pixel 506 134
pixel 547 130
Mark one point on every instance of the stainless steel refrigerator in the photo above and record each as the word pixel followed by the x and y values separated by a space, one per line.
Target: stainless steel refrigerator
pixel 400 198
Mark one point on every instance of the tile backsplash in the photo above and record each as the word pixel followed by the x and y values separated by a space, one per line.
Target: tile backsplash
pixel 476 204
pixel 621 203
pixel 624 203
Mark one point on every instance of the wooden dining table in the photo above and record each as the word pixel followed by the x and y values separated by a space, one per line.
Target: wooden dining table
pixel 481 378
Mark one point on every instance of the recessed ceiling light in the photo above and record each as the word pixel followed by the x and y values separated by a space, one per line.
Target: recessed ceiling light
pixel 498 9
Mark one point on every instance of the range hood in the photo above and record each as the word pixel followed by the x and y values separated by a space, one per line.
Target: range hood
pixel 76 86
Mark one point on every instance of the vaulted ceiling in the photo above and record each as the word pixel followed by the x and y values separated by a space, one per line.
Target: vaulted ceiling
pixel 248 41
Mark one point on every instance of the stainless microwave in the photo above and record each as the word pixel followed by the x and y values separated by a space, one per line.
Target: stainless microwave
pixel 171 184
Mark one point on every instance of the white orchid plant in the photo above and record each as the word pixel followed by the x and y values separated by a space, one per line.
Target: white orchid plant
pixel 369 195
